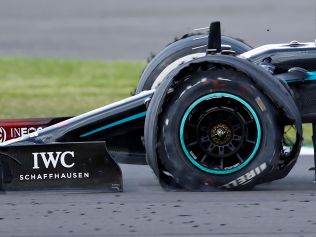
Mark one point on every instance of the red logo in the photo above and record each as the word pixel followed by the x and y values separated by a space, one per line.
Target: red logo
pixel 3 135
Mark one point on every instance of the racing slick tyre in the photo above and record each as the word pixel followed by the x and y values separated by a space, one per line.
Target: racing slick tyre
pixel 215 130
pixel 180 51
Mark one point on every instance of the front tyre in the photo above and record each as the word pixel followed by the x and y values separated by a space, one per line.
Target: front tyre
pixel 218 130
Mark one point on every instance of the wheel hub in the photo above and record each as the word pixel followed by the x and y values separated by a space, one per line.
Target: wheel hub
pixel 221 134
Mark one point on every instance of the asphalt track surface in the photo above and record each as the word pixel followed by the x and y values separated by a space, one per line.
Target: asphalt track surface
pixel 281 208
pixel 124 29
pixel 131 29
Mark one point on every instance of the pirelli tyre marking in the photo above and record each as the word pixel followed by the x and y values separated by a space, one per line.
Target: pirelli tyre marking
pixel 246 178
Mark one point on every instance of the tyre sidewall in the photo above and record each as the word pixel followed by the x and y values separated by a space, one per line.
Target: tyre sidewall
pixel 171 153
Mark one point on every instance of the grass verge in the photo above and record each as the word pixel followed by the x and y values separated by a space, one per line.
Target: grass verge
pixel 50 87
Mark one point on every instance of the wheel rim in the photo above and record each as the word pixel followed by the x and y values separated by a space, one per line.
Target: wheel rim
pixel 220 133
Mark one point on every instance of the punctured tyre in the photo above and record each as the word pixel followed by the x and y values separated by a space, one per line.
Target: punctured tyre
pixel 207 89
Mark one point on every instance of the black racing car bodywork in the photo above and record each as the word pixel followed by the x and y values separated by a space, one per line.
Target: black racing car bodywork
pixel 119 124
pixel 276 83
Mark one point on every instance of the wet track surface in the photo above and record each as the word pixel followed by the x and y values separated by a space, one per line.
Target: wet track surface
pixel 283 208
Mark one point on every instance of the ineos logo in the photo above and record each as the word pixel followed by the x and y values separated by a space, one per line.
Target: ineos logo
pixel 53 158
pixel 3 135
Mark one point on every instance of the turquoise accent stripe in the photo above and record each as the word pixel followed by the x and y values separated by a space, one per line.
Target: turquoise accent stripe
pixel 311 76
pixel 130 118
pixel 215 171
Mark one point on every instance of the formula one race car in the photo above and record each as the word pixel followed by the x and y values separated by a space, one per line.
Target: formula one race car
pixel 209 113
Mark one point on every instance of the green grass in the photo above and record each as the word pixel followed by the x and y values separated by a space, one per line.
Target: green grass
pixel 308 134
pixel 53 88
pixel 50 87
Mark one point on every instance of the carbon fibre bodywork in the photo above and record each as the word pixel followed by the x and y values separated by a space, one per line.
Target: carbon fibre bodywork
pixel 72 153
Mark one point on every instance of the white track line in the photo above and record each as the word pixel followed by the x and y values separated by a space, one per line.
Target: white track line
pixel 307 150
